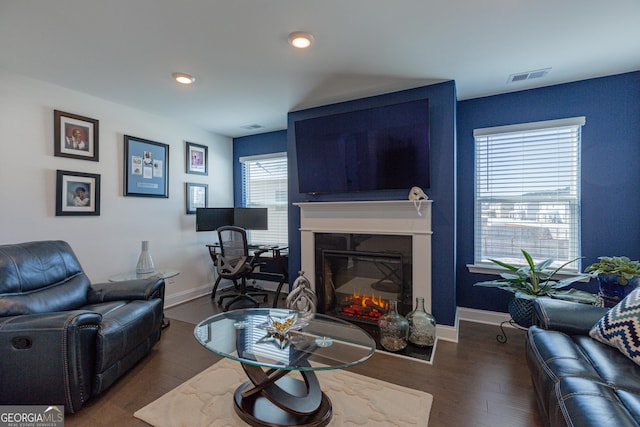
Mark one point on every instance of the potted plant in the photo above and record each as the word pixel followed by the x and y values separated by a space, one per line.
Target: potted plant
pixel 617 277
pixel 535 280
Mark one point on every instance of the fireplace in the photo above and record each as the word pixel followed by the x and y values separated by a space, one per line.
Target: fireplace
pixel 357 275
pixel 360 255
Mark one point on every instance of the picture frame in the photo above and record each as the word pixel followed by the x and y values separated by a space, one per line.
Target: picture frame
pixel 197 196
pixel 197 157
pixel 77 193
pixel 75 136
pixel 146 168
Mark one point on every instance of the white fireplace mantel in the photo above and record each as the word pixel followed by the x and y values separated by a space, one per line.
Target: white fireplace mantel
pixel 392 217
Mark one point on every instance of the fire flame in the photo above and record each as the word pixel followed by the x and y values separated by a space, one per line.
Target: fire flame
pixel 364 306
pixel 377 302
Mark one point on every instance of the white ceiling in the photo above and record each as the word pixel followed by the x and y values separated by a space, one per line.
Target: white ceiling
pixel 246 73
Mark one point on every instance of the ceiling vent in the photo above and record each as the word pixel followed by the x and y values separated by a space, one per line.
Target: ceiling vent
pixel 513 78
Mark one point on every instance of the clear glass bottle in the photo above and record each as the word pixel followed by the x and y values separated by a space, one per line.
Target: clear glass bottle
pixel 394 329
pixel 422 326
pixel 145 263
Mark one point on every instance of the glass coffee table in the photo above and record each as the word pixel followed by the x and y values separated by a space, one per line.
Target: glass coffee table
pixel 270 343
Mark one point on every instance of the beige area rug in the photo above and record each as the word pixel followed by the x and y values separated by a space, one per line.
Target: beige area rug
pixel 207 400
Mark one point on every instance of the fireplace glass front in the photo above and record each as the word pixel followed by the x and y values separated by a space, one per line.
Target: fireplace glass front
pixel 360 274
pixel 362 284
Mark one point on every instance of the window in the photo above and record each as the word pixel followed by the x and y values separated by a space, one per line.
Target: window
pixel 527 193
pixel 264 184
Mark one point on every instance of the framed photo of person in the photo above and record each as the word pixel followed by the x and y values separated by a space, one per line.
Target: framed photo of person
pixel 77 193
pixel 75 136
pixel 146 168
pixel 197 159
pixel 197 195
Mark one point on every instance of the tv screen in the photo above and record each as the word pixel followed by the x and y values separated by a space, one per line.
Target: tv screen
pixel 251 218
pixel 209 219
pixel 381 148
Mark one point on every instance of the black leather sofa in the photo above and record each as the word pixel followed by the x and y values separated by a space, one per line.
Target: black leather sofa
pixel 62 339
pixel 579 381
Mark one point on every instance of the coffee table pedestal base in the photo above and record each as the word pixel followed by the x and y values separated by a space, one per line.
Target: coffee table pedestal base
pixel 257 410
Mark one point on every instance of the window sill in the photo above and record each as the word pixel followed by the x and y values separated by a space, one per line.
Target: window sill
pixel 495 270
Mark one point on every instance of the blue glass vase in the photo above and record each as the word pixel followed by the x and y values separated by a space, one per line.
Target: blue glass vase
pixel 613 288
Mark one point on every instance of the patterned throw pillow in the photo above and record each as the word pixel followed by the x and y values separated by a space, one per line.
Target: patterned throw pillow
pixel 620 327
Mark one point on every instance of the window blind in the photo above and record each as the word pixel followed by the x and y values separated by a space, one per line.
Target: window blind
pixel 264 184
pixel 527 193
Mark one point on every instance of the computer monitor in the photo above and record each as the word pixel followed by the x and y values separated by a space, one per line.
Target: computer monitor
pixel 209 219
pixel 251 218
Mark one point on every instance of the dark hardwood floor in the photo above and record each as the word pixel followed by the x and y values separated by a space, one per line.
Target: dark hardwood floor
pixel 477 382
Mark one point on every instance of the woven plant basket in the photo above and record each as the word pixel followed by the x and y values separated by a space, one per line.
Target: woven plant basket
pixel 521 311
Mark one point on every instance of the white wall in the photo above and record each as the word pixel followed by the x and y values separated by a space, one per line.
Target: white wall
pixel 108 244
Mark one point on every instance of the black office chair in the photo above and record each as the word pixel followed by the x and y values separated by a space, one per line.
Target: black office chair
pixel 234 263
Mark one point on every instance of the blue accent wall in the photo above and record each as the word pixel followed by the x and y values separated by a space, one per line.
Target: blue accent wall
pixel 253 145
pixel 442 107
pixel 610 176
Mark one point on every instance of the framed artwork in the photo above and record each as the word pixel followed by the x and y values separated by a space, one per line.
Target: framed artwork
pixel 197 159
pixel 75 136
pixel 146 168
pixel 77 193
pixel 197 196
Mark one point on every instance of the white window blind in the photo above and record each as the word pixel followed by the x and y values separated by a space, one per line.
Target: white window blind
pixel 264 184
pixel 527 193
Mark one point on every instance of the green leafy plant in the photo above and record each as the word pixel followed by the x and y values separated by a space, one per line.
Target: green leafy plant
pixel 620 265
pixel 535 280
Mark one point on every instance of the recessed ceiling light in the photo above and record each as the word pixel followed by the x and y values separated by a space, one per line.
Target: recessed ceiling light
pixel 300 39
pixel 183 78
pixel 252 127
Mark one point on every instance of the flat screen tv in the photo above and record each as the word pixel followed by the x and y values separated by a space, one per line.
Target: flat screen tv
pixel 380 148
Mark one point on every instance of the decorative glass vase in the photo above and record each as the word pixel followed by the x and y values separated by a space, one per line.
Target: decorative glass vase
pixel 145 263
pixel 422 326
pixel 394 329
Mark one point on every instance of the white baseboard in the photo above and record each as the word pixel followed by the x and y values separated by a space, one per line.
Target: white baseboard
pixel 447 333
pixel 482 316
pixel 188 295
pixel 450 333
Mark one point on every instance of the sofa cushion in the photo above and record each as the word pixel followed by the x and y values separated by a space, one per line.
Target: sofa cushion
pixel 40 277
pixel 620 327
pixel 586 403
pixel 70 294
pixel 30 266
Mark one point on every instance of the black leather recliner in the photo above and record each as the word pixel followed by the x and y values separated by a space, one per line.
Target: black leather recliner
pixel 579 381
pixel 62 339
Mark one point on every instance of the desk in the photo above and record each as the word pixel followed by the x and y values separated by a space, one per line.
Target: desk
pixel 158 274
pixel 271 397
pixel 276 251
